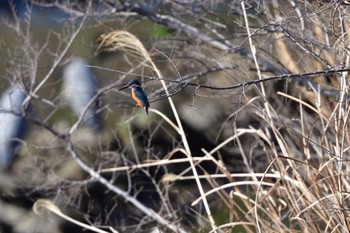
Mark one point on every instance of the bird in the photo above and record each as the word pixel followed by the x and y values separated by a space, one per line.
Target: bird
pixel 138 94
pixel 13 124
pixel 79 87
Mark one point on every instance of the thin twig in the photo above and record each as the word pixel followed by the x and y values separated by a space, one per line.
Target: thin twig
pixel 97 176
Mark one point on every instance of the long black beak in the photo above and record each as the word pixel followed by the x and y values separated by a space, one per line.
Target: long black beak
pixel 123 87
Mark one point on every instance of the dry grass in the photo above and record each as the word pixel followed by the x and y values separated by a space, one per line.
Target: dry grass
pixel 304 187
pixel 278 160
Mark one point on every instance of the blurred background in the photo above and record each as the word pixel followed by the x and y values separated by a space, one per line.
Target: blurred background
pixel 59 85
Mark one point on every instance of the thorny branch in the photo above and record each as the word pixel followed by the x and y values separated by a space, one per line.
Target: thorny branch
pixel 303 79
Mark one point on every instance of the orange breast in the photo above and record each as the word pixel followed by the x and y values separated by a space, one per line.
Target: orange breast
pixel 139 103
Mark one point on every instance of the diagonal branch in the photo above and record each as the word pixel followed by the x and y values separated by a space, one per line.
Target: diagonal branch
pixel 97 176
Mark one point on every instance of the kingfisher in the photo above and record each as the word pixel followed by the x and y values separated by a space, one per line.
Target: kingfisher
pixel 138 94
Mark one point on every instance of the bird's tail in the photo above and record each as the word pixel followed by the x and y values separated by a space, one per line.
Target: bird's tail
pixel 146 108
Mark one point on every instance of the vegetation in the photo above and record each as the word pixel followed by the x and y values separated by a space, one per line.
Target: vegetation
pixel 247 129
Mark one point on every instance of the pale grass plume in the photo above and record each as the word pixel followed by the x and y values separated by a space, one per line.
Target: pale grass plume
pixel 128 43
pixel 42 204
